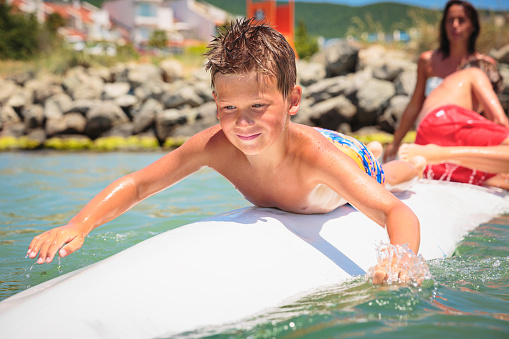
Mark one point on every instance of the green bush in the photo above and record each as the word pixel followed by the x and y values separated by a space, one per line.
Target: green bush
pixel 20 34
pixel 305 44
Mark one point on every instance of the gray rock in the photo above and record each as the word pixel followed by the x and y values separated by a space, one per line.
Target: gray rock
pixel 144 119
pixel 339 58
pixel 203 90
pixel 405 83
pixel 182 96
pixel 391 69
pixel 82 106
pixel 9 116
pixel 103 116
pixel 172 70
pixel 37 134
pixel 139 74
pixel 126 101
pixel 310 72
pixel 34 117
pixel 44 88
pixel 71 123
pixel 372 99
pixel 7 90
pixel 150 89
pixel 167 120
pixel 79 85
pixel 115 90
pixel 501 55
pixel 328 88
pixel 205 116
pixel 391 117
pixel 332 113
pixel 15 130
pixel 57 105
pixel 21 99
pixel 123 130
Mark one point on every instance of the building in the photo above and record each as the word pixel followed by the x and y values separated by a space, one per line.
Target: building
pixel 182 20
pixel 84 22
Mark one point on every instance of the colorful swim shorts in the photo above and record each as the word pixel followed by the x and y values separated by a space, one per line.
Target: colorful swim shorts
pixel 452 125
pixel 357 151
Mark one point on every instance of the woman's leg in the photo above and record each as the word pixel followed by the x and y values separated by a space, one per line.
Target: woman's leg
pixel 490 159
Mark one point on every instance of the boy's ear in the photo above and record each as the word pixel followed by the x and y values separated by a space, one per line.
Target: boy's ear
pixel 295 96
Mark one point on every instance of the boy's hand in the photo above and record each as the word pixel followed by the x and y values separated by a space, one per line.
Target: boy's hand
pixel 49 242
pixel 399 265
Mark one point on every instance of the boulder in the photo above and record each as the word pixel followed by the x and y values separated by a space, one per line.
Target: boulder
pixel 57 105
pixel 339 58
pixel 391 117
pixel 172 70
pixel 167 120
pixel 70 123
pixel 140 74
pixel 115 90
pixel 34 117
pixel 309 73
pixel 103 116
pixel 332 113
pixel 181 95
pixel 372 99
pixel 145 117
pixel 9 88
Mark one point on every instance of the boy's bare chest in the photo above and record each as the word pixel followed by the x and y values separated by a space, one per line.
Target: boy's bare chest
pixel 289 192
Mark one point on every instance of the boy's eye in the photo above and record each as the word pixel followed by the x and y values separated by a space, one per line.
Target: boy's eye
pixel 229 107
pixel 258 105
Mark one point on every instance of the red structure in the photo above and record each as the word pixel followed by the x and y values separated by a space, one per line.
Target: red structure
pixel 279 16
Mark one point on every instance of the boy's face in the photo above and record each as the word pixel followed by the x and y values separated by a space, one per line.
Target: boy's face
pixel 252 111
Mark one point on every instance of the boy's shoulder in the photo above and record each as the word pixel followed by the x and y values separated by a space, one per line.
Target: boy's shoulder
pixel 207 139
pixel 307 138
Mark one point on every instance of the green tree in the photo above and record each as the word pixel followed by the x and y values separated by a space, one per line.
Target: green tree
pixel 54 21
pixel 19 34
pixel 305 44
pixel 158 39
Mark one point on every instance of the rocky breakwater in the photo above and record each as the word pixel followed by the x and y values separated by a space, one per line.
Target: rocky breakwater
pixel 346 88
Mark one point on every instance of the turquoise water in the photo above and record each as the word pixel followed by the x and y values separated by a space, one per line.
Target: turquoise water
pixel 467 298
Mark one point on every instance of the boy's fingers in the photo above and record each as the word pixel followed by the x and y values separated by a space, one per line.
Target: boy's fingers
pixel 72 246
pixel 379 276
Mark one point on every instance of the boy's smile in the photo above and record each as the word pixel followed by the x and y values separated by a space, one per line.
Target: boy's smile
pixel 251 110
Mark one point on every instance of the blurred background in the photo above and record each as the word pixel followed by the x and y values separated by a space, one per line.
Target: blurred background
pixel 127 74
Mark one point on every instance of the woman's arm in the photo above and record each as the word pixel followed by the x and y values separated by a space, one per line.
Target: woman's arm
pixel 413 108
pixel 486 96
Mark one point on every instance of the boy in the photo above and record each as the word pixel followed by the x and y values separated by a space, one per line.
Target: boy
pixel 270 160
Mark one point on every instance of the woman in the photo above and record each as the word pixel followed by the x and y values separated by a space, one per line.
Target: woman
pixel 459 29
pixel 458 143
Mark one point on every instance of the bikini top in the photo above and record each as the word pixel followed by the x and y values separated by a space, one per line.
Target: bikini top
pixel 431 84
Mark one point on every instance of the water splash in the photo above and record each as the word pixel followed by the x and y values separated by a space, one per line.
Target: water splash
pixel 401 265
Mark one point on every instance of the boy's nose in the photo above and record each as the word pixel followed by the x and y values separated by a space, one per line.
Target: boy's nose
pixel 244 118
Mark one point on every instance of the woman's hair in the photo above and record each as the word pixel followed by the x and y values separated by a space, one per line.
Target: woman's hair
pixel 471 13
pixel 249 45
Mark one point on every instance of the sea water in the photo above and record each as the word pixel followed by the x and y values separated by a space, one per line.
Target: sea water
pixel 467 297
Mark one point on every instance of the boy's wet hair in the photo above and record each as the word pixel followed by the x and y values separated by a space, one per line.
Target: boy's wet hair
pixel 249 45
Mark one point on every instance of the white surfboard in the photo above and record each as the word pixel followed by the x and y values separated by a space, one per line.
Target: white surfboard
pixel 232 266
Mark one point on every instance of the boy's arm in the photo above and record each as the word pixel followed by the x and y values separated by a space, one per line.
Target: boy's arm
pixel 373 200
pixel 119 197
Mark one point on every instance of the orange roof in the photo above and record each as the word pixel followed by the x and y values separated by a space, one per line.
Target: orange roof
pixel 66 10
